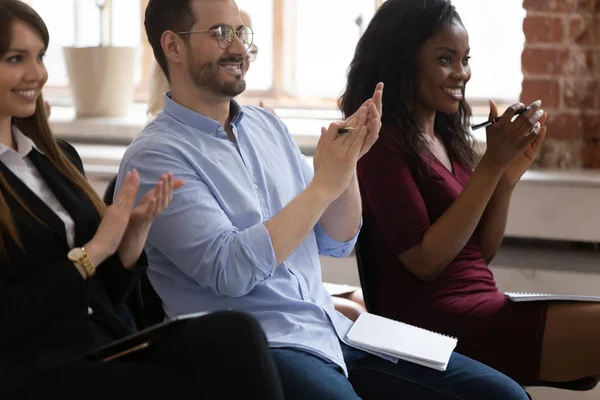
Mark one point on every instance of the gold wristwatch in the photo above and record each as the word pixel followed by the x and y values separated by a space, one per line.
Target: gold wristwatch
pixel 79 255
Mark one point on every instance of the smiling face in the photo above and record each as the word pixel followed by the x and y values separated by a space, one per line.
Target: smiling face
pixel 22 72
pixel 443 65
pixel 221 71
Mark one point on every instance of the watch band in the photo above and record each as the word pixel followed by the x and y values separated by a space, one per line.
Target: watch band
pixel 80 256
pixel 90 268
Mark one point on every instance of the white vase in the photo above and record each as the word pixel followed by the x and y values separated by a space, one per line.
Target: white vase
pixel 101 79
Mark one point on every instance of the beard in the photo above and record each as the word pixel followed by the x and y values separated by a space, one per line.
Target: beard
pixel 206 76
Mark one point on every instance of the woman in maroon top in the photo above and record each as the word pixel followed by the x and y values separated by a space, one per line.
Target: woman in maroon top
pixel 434 217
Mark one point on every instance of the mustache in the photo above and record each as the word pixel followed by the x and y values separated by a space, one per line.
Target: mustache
pixel 238 59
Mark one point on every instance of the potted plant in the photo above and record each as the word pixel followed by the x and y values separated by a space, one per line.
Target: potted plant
pixel 101 77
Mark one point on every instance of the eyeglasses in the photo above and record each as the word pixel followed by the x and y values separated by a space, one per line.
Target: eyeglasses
pixel 224 35
pixel 252 53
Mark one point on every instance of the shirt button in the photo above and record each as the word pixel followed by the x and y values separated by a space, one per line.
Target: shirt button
pixel 90 311
pixel 211 134
pixel 220 129
pixel 255 186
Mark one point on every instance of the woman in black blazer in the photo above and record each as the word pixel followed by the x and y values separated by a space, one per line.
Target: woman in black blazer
pixel 67 262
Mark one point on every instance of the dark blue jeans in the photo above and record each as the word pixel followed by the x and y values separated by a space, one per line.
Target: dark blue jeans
pixel 305 376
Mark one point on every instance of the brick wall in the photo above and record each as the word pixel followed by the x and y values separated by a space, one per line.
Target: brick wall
pixel 561 66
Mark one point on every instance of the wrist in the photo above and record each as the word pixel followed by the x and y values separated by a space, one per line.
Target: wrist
pixel 505 184
pixel 351 192
pixel 320 193
pixel 132 244
pixel 491 166
pixel 95 252
pixel 126 259
pixel 353 184
pixel 82 261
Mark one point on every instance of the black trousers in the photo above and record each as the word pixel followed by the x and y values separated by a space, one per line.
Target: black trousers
pixel 223 355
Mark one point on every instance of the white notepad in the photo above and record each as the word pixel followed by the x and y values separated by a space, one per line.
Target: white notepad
pixel 397 339
pixel 519 297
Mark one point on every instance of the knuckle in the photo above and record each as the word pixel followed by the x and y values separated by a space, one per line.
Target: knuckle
pixel 516 106
pixel 531 123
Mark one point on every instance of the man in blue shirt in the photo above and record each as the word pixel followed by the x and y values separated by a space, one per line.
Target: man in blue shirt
pixel 246 230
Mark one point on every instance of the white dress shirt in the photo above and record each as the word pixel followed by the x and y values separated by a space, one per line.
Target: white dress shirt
pixel 19 164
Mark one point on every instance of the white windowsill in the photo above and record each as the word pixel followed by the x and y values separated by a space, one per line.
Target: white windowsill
pixel 304 125
pixel 102 142
pixel 537 208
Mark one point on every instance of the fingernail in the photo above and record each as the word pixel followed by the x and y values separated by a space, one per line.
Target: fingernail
pixel 539 113
pixel 536 103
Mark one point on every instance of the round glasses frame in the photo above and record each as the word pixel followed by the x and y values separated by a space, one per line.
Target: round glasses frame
pixel 225 33
pixel 252 52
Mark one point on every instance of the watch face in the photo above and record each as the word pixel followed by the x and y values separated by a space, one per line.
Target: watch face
pixel 75 254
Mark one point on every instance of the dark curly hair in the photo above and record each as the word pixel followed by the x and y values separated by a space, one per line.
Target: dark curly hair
pixel 387 52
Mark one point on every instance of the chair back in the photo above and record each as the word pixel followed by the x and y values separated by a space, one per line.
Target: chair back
pixel 367 272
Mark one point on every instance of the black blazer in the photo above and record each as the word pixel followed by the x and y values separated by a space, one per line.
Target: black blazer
pixel 44 303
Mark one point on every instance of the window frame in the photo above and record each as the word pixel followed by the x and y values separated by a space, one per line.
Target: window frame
pixel 61 94
pixel 276 96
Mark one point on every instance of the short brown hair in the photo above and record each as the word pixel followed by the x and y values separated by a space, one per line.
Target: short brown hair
pixel 166 15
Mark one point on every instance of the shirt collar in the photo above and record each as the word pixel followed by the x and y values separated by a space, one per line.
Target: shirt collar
pixel 24 143
pixel 199 121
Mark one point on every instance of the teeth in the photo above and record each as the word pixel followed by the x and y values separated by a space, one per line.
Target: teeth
pixel 26 93
pixel 453 92
pixel 235 67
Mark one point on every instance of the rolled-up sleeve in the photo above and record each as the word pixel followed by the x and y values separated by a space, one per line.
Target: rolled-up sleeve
pixel 196 235
pixel 331 247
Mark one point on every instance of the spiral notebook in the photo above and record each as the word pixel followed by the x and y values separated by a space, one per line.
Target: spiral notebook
pixel 519 297
pixel 377 334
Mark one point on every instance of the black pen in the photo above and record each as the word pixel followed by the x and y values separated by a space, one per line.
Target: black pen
pixel 494 120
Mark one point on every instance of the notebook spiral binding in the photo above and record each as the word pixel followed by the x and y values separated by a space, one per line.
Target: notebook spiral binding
pixel 424 330
pixel 528 294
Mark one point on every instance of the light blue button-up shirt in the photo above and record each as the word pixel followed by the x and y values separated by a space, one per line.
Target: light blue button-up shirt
pixel 210 250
